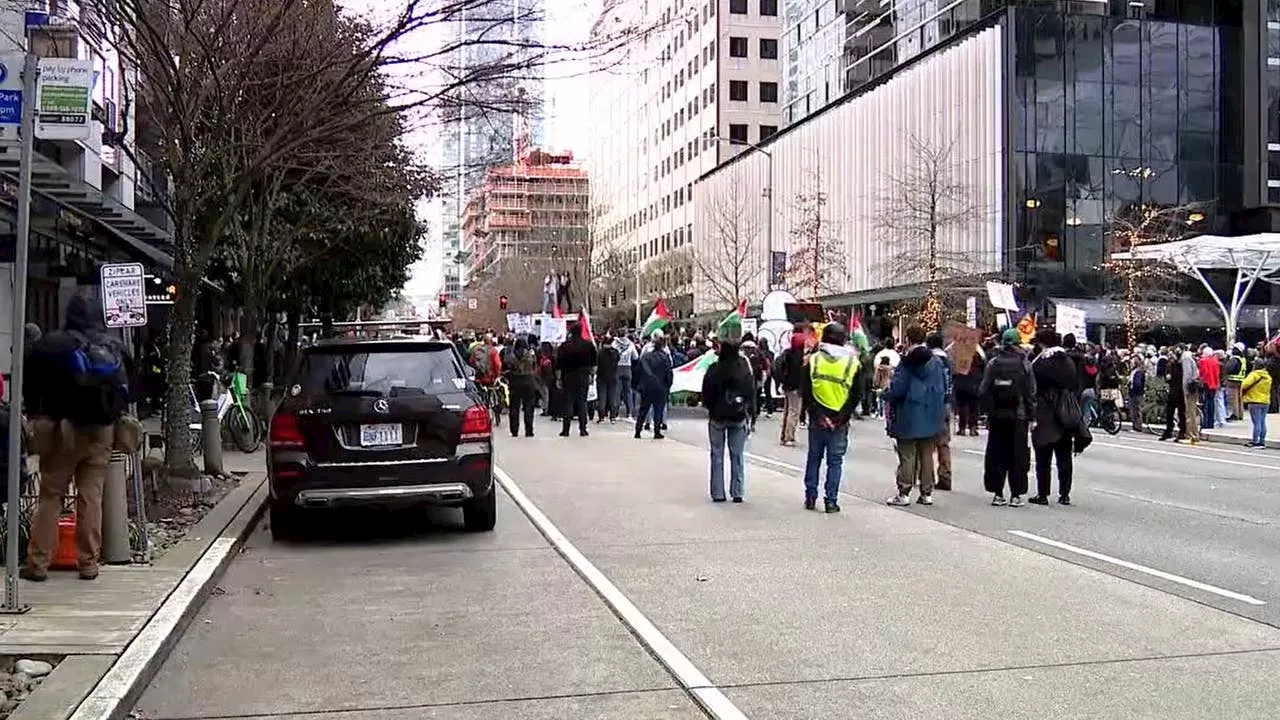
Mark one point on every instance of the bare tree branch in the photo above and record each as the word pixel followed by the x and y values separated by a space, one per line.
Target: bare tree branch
pixel 817 264
pixel 729 260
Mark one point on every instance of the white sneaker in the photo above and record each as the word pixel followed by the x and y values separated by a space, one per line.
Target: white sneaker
pixel 999 500
pixel 925 500
pixel 1015 501
pixel 899 500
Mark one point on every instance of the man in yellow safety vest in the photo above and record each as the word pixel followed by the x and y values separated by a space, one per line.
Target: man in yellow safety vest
pixel 1234 370
pixel 829 387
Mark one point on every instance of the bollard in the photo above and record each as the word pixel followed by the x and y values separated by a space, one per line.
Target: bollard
pixel 211 437
pixel 267 405
pixel 115 513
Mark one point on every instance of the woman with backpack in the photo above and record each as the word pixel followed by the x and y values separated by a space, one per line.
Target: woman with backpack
pixel 729 394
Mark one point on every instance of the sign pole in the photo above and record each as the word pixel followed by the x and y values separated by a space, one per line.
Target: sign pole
pixel 30 69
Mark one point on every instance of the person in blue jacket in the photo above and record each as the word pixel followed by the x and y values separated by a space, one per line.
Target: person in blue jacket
pixel 916 400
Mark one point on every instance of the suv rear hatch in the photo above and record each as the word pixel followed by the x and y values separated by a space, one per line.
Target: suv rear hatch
pixel 379 402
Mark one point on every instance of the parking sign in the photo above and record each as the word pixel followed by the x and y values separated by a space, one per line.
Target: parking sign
pixel 124 295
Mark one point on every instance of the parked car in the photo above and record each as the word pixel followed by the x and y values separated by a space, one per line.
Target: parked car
pixel 380 423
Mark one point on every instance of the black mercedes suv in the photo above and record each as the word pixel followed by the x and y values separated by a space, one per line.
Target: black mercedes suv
pixel 383 423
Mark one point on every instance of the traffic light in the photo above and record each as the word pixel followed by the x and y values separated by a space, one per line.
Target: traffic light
pixel 444 301
pixel 502 301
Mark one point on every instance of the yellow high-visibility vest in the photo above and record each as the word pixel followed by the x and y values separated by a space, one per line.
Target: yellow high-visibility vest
pixel 831 374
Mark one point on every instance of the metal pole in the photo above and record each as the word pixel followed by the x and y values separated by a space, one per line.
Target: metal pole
pixel 768 223
pixel 30 69
pixel 637 298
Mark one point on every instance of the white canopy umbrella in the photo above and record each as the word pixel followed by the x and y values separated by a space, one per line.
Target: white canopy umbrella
pixel 1253 257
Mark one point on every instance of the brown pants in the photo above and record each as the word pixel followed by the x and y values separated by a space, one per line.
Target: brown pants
pixel 915 465
pixel 1234 407
pixel 791 409
pixel 1191 401
pixel 943 445
pixel 67 454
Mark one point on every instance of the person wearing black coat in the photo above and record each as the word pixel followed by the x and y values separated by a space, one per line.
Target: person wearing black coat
pixel 575 361
pixel 1057 380
pixel 729 395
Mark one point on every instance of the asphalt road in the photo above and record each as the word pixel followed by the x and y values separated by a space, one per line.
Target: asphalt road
pixel 1208 514
pixel 613 588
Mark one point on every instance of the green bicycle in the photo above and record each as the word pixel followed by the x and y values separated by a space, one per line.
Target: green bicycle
pixel 240 421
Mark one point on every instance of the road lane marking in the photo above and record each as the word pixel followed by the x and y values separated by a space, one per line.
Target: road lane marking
pixel 710 698
pixel 1139 568
pixel 1194 457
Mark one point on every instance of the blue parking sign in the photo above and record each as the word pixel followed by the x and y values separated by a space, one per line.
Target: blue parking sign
pixel 10 107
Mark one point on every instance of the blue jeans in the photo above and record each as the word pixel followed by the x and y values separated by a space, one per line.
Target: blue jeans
pixel 625 399
pixel 735 435
pixel 834 444
pixel 659 406
pixel 1258 416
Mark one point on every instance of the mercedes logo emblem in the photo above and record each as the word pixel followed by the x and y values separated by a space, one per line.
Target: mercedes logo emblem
pixel 380 405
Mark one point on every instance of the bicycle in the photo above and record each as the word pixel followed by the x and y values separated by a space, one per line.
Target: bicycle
pixel 243 425
pixel 1107 415
pixel 497 397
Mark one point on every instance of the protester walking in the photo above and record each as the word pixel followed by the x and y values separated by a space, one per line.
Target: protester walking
pixel 607 358
pixel 1256 398
pixel 653 378
pixel 917 410
pixel 75 392
pixel 520 365
pixel 1008 395
pixel 1058 416
pixel 788 371
pixel 942 443
pixel 829 386
pixel 729 395
pixel 575 361
pixel 627 354
pixel 1192 386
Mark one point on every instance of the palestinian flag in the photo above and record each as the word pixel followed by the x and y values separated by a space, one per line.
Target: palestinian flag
pixel 731 325
pixel 858 335
pixel 585 320
pixel 658 319
pixel 555 310
pixel 688 377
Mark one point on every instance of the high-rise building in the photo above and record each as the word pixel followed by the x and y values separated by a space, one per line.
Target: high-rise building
pixel 812 46
pixel 498 111
pixel 527 221
pixel 696 87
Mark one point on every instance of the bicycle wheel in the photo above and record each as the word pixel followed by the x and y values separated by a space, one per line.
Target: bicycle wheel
pixel 243 427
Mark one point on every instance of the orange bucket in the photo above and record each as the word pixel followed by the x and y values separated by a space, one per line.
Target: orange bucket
pixel 65 556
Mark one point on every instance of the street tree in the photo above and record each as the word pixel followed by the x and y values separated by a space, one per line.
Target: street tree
pixel 1137 285
pixel 729 261
pixel 817 264
pixel 925 209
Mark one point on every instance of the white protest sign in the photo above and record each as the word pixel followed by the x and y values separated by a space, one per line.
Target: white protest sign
pixel 512 321
pixel 524 325
pixel 751 325
pixel 1002 320
pixel 1001 296
pixel 554 331
pixel 971 312
pixel 124 295
pixel 1070 320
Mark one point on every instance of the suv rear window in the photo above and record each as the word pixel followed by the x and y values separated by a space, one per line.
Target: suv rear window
pixel 381 372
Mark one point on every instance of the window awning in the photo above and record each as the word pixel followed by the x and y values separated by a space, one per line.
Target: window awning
pixel 135 233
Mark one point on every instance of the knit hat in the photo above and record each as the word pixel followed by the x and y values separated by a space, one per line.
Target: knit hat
pixel 1011 337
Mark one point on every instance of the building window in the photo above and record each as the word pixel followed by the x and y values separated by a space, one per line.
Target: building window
pixel 767 131
pixel 737 7
pixel 738 133
pixel 738 90
pixel 769 92
pixel 737 47
pixel 769 8
pixel 768 49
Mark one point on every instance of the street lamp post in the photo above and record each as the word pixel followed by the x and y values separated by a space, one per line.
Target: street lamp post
pixel 768 193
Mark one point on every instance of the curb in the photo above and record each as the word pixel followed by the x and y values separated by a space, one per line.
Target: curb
pixel 122 685
pixel 1209 437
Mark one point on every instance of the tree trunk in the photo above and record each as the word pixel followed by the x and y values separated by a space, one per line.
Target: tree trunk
pixel 292 341
pixel 178 459
pixel 272 344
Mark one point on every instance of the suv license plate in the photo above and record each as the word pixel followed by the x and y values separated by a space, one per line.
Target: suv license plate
pixel 381 435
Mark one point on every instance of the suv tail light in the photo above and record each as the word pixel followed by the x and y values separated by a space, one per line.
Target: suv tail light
pixel 285 432
pixel 475 424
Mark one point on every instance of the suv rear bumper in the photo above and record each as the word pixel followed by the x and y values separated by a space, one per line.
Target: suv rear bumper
pixel 428 493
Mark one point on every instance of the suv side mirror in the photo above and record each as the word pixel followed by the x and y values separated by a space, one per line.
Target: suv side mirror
pixel 470 372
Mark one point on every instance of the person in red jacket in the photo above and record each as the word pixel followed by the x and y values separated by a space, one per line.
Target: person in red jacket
pixel 1211 379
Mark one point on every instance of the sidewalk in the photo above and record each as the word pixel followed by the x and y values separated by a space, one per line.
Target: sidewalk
pixel 88 626
pixel 1233 433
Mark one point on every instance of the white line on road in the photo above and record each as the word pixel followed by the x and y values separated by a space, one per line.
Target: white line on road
pixel 1191 456
pixel 1139 568
pixel 709 697
pixel 770 461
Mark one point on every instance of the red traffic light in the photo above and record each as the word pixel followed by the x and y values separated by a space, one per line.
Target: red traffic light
pixel 444 300
pixel 502 302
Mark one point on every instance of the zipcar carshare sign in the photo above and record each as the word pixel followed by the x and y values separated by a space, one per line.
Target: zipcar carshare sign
pixel 124 295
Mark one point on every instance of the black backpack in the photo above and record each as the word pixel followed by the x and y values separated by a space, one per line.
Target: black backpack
pixel 735 398
pixel 1007 388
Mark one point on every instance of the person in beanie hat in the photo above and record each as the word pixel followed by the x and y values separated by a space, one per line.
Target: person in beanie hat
pixel 1008 395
